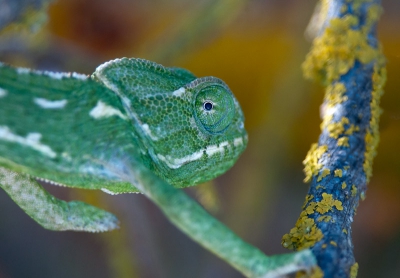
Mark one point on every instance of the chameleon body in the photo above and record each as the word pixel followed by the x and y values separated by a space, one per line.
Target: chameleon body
pixel 79 131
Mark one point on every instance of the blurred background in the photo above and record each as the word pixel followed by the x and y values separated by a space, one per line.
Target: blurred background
pixel 257 48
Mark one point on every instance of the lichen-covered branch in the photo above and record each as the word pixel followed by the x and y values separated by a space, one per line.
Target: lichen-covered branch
pixel 347 59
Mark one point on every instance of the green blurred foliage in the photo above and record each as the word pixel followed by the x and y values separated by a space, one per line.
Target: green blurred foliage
pixel 257 47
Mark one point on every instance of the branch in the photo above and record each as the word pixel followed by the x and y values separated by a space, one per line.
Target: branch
pixel 347 59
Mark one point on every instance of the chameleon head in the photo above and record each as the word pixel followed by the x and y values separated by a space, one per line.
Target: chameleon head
pixel 189 130
pixel 211 134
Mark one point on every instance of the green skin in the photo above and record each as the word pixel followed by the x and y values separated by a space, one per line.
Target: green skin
pixel 85 132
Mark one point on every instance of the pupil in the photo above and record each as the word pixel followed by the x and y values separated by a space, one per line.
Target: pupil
pixel 208 106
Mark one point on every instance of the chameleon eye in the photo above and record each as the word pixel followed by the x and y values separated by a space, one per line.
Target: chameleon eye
pixel 208 105
pixel 214 108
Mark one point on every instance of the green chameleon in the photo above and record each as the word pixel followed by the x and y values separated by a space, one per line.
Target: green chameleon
pixel 77 131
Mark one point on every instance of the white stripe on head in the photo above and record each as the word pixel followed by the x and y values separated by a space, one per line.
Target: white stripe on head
pixel 179 92
pixel 211 150
pixel 238 141
pixel 175 163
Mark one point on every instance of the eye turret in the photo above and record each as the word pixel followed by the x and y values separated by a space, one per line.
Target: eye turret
pixel 214 106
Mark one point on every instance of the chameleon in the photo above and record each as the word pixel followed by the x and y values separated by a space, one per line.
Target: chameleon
pixel 67 129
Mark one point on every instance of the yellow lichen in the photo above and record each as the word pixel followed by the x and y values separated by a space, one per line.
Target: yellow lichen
pixel 354 270
pixel 338 173
pixel 308 198
pixel 335 51
pixel 325 218
pixel 372 134
pixel 325 172
pixel 327 203
pixel 336 129
pixel 310 209
pixel 353 190
pixel 323 206
pixel 343 142
pixel 324 245
pixel 344 185
pixel 326 121
pixel 319 187
pixel 373 14
pixel 335 94
pixel 304 235
pixel 357 3
pixel 345 120
pixel 346 167
pixel 311 164
pixel 352 129
pixel 344 231
pixel 333 243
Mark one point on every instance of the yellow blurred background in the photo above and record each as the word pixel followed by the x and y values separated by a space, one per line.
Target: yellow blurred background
pixel 257 48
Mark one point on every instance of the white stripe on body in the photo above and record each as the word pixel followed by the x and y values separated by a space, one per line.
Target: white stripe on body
pixel 50 104
pixel 3 92
pixel 32 140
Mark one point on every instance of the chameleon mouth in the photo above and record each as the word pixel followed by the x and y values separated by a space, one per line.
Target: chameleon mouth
pixel 197 172
pixel 236 146
pixel 203 165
